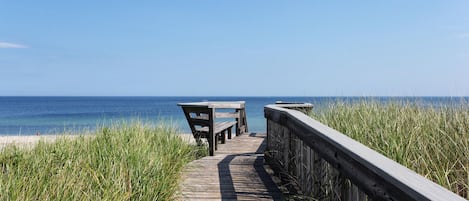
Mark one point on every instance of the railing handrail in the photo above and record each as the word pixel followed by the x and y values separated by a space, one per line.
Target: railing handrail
pixel 368 169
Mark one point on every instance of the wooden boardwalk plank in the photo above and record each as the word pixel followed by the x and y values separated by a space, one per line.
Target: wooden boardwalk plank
pixel 236 172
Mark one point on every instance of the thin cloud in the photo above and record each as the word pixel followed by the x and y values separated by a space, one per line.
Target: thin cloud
pixel 11 45
pixel 463 35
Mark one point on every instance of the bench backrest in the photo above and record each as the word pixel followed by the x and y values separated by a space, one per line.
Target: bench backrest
pixel 198 117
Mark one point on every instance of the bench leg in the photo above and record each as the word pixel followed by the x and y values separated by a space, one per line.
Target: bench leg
pixel 211 147
pixel 217 137
pixel 229 133
pixel 223 137
pixel 237 129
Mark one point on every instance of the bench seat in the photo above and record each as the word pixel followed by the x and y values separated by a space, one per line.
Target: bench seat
pixel 218 126
pixel 219 131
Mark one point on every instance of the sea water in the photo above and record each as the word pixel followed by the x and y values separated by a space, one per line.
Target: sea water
pixel 54 115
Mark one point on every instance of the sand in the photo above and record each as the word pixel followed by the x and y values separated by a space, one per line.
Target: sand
pixel 29 141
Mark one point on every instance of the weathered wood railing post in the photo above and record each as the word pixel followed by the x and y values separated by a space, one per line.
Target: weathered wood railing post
pixel 327 165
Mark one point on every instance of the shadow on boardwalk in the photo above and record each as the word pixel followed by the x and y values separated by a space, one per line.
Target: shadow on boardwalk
pixel 236 172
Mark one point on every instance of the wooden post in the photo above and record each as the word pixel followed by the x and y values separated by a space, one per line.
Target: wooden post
pixel 212 143
pixel 222 136
pixel 244 119
pixel 238 123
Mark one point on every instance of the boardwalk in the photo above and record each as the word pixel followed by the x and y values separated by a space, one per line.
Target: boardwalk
pixel 236 172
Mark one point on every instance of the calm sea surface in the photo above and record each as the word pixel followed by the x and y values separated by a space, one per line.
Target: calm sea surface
pixel 51 115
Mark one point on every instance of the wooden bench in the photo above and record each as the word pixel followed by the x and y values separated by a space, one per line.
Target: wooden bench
pixel 202 117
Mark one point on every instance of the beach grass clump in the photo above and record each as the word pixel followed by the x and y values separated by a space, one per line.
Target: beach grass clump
pixel 121 162
pixel 431 140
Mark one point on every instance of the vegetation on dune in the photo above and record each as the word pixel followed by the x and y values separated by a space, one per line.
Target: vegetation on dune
pixel 433 141
pixel 121 162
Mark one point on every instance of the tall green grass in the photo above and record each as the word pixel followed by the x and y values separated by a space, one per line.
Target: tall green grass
pixel 121 162
pixel 433 141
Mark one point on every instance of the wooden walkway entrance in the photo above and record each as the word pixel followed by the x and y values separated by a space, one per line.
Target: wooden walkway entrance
pixel 236 172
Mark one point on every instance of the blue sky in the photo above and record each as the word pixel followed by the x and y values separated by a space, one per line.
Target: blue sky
pixel 234 48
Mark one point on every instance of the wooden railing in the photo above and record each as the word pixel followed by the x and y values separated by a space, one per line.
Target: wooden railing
pixel 327 165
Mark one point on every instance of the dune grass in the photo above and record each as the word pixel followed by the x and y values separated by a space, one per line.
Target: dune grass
pixel 433 141
pixel 122 162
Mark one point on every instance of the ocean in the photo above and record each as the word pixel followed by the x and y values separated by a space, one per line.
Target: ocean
pixel 56 115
